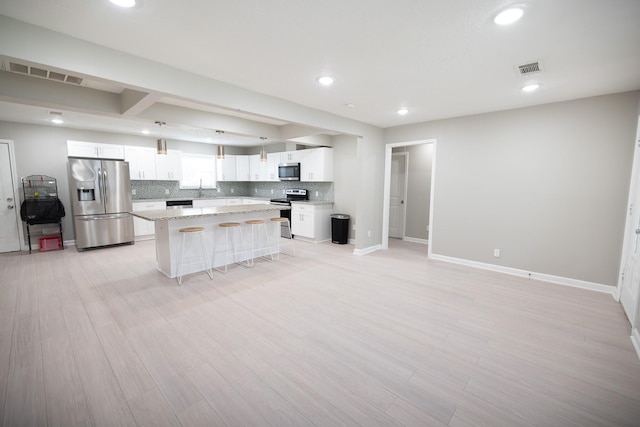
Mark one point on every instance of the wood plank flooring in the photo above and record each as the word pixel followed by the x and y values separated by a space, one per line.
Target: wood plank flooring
pixel 323 339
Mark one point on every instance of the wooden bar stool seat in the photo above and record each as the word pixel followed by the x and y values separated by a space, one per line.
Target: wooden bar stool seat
pixel 193 231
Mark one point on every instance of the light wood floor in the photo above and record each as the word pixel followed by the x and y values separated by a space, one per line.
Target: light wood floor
pixel 326 338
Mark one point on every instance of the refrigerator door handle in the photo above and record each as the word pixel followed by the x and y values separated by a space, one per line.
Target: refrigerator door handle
pixel 101 217
pixel 104 186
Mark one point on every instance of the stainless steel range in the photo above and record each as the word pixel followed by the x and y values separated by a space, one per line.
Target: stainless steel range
pixel 292 195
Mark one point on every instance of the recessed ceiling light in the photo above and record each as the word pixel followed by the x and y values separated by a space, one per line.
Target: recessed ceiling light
pixel 146 131
pixel 402 111
pixel 509 16
pixel 326 80
pixel 350 105
pixel 57 121
pixel 530 87
pixel 124 3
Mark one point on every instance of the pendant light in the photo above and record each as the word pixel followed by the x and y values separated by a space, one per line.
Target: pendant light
pixel 161 143
pixel 263 154
pixel 220 154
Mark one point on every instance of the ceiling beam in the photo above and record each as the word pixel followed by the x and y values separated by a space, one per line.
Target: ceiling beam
pixel 133 102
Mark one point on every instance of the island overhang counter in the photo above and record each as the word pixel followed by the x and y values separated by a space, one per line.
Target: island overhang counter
pixel 168 238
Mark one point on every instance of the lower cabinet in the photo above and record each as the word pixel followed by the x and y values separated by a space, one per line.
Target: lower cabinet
pixel 141 227
pixel 311 222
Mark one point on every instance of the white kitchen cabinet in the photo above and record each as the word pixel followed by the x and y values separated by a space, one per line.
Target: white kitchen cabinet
pixel 94 150
pixel 273 160
pixel 169 166
pixel 206 203
pixel 142 227
pixel 257 169
pixel 317 165
pixel 142 162
pixel 311 222
pixel 226 168
pixel 264 171
pixel 291 156
pixel 243 171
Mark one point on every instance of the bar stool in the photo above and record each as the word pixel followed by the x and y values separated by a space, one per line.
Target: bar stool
pixel 279 221
pixel 193 231
pixel 228 228
pixel 257 225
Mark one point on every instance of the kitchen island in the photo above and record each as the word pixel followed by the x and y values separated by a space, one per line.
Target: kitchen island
pixel 168 222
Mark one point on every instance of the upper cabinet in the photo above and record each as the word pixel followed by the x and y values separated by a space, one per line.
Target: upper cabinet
pixel 261 171
pixel 273 160
pixel 142 162
pixel 226 168
pixel 243 172
pixel 94 150
pixel 317 164
pixel 169 166
pixel 291 156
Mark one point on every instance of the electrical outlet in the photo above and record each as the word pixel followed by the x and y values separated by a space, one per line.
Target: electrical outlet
pixel 218 189
pixel 316 194
pixel 256 190
pixel 166 191
pixel 272 191
pixel 496 253
pixel 369 233
pixel 133 191
pixel 232 191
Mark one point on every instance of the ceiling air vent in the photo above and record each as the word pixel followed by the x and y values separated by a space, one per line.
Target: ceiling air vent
pixel 529 68
pixel 15 67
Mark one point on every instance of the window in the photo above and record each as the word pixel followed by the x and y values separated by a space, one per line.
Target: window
pixel 198 170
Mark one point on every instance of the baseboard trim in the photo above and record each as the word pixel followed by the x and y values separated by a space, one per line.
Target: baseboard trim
pixel 368 250
pixel 416 240
pixel 565 281
pixel 635 340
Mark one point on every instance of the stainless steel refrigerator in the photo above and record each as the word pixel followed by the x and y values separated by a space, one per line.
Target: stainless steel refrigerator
pixel 101 195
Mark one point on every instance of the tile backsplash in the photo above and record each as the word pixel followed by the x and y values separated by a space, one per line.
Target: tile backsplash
pixel 270 190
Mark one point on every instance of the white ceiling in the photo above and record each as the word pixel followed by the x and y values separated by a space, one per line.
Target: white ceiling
pixel 438 58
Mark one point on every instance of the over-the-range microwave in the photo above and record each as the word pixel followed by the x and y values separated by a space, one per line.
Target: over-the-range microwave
pixel 289 171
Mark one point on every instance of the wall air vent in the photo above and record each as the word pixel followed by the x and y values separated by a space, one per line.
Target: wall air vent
pixel 529 68
pixel 15 67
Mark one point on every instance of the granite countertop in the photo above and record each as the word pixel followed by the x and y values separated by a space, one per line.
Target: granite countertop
pixel 173 214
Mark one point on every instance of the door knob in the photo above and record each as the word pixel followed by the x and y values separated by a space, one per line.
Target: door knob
pixel 637 230
pixel 10 206
pixel 9 199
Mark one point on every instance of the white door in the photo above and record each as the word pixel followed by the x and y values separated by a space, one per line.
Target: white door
pixel 630 277
pixel 9 208
pixel 397 195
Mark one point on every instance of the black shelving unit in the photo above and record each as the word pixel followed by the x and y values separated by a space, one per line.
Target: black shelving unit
pixel 41 205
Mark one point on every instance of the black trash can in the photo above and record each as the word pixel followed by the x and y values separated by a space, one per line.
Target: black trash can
pixel 340 228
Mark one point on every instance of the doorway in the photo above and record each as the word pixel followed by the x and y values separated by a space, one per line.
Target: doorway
pixel 398 194
pixel 10 225
pixel 387 190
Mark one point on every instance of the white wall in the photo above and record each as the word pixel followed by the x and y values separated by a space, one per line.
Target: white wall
pixel 345 174
pixel 547 185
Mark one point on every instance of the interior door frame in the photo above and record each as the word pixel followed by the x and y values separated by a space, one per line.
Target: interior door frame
pixel 387 189
pixel 405 178
pixel 16 189
pixel 634 318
